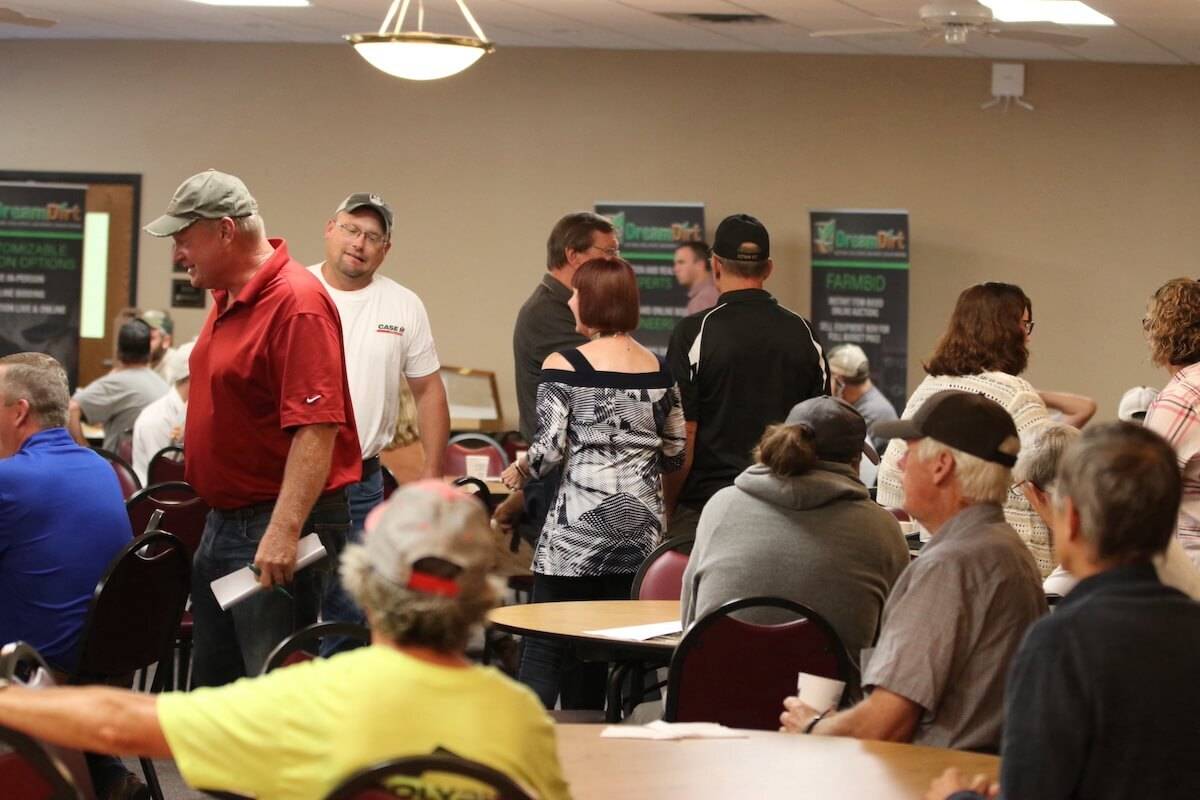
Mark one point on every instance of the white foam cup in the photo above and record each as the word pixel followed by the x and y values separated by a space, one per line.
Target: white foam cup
pixel 819 694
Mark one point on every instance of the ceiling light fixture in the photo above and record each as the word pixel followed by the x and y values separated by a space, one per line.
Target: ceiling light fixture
pixel 1063 12
pixel 257 3
pixel 417 55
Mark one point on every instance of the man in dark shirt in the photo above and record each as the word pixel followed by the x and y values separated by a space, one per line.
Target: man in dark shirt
pixel 740 366
pixel 546 325
pixel 1102 700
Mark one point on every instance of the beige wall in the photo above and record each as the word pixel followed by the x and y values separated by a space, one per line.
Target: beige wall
pixel 1089 203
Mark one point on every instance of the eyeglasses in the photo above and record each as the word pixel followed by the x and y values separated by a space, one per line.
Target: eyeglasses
pixel 353 232
pixel 1028 326
pixel 611 252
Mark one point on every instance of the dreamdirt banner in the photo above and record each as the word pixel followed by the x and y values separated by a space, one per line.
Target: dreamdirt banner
pixel 860 289
pixel 649 234
pixel 41 257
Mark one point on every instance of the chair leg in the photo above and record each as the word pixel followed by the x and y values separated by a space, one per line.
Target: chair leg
pixel 151 778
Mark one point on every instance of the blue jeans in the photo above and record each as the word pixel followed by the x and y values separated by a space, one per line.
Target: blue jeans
pixel 228 645
pixel 549 666
pixel 338 606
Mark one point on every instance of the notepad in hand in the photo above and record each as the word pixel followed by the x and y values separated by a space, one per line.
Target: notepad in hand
pixel 235 587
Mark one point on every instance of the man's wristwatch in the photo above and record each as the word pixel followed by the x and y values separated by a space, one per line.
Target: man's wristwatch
pixel 812 723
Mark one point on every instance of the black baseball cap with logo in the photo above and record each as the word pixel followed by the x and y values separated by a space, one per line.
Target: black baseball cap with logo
pixel 963 420
pixel 741 237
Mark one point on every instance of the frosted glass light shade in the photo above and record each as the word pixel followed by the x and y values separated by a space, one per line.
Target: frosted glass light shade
pixel 419 56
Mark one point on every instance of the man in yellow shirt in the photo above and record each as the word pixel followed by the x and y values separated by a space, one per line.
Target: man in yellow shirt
pixel 421 576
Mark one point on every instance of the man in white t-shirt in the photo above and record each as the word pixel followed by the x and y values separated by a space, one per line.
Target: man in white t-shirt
pixel 161 423
pixel 387 336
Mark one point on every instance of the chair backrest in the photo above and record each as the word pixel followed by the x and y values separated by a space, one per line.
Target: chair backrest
pixel 35 770
pixel 660 577
pixel 473 444
pixel 135 610
pixel 738 673
pixel 390 484
pixel 125 446
pixel 303 644
pixel 372 782
pixel 165 465
pixel 184 512
pixel 130 483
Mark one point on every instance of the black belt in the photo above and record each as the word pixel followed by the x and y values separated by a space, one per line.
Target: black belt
pixel 242 512
pixel 370 467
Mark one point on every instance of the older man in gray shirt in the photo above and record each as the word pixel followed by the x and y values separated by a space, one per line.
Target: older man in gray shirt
pixel 957 615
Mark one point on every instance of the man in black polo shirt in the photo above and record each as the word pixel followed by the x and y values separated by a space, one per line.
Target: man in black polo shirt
pixel 1102 700
pixel 740 366
pixel 545 325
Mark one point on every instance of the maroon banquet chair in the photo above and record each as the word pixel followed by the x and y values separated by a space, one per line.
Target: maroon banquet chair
pixel 737 673
pixel 130 483
pixel 165 466
pixel 32 769
pixel 660 577
pixel 183 514
pixel 375 782
pixel 133 619
pixel 473 444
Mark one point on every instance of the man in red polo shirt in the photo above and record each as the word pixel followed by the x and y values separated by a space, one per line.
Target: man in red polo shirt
pixel 270 437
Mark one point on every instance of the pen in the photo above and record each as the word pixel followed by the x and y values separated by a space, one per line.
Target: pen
pixel 277 587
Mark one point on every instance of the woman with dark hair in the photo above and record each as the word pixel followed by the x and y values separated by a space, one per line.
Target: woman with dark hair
pixel 609 413
pixel 1172 325
pixel 799 524
pixel 984 350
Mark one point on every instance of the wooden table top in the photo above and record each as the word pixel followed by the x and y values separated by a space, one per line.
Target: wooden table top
pixel 569 620
pixel 767 765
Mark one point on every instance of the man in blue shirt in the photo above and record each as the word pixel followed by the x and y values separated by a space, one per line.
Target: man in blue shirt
pixel 62 519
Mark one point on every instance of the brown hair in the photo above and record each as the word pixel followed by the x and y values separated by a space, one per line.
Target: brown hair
pixel 608 295
pixel 984 334
pixel 787 450
pixel 1172 323
pixel 573 232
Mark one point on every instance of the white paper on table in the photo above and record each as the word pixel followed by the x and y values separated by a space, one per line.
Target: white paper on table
pixel 640 633
pixel 662 731
pixel 235 587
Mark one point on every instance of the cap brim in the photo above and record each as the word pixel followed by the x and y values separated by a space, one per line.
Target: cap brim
pixel 168 225
pixel 896 429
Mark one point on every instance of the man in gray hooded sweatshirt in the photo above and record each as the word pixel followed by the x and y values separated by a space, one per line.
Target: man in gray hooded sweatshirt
pixel 799 524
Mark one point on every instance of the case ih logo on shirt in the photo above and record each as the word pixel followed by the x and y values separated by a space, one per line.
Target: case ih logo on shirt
pixel 397 330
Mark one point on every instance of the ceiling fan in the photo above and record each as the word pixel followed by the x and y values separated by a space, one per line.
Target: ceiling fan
pixel 952 21
pixel 13 17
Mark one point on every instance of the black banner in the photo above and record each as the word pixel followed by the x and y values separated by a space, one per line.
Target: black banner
pixel 41 266
pixel 649 234
pixel 860 290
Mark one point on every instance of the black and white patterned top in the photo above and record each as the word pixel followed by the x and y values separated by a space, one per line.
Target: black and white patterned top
pixel 614 433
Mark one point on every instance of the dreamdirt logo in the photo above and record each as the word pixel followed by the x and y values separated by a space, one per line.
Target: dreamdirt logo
pixel 396 330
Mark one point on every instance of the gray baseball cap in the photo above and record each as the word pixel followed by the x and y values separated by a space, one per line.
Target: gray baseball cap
pixel 372 201
pixel 427 520
pixel 208 195
pixel 840 432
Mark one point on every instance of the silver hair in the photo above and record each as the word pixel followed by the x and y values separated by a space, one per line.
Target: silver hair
pixel 1124 482
pixel 250 226
pixel 409 617
pixel 1041 454
pixel 979 481
pixel 39 380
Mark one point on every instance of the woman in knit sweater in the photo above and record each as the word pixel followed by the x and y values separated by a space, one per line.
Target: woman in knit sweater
pixel 984 350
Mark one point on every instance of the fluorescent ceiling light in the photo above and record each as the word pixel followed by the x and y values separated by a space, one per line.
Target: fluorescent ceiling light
pixel 1063 12
pixel 257 3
